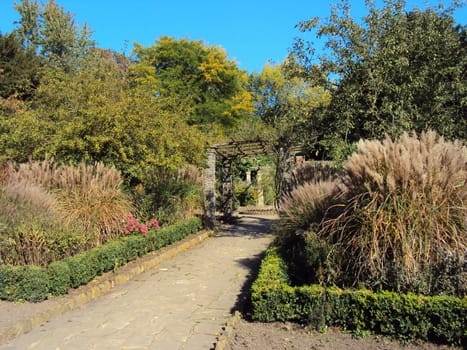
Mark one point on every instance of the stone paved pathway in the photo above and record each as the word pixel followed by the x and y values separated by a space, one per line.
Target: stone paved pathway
pixel 180 305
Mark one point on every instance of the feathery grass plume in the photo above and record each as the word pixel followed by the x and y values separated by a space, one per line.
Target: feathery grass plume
pixel 43 173
pixel 300 215
pixel 306 205
pixel 89 194
pixel 92 195
pixel 310 172
pixel 405 212
pixel 31 232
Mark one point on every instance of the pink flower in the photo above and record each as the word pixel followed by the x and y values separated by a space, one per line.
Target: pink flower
pixel 133 226
pixel 143 228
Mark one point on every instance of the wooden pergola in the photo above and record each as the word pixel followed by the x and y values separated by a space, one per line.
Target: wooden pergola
pixel 227 153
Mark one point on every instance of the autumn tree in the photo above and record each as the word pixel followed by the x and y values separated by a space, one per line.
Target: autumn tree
pixel 199 76
pixel 397 70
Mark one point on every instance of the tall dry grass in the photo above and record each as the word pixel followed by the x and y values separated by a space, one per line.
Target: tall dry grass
pixel 397 219
pixel 89 194
pixel 306 205
pixel 85 200
pixel 92 195
pixel 310 172
pixel 405 210
pixel 31 231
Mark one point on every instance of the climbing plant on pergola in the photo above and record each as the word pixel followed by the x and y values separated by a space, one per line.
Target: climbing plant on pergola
pixel 227 153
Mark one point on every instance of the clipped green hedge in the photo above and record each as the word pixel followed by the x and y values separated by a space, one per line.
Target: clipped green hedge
pixel 32 283
pixel 23 283
pixel 401 316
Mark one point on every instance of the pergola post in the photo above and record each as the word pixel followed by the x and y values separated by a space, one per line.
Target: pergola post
pixel 227 188
pixel 259 180
pixel 210 190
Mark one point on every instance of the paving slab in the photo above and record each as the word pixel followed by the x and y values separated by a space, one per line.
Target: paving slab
pixel 181 304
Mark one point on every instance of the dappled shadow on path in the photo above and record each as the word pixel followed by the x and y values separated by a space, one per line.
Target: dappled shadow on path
pixel 243 302
pixel 250 225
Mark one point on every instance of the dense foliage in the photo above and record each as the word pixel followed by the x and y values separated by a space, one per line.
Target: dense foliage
pixel 19 69
pixel 394 71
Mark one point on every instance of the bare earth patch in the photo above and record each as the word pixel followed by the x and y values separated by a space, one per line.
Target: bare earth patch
pixel 286 336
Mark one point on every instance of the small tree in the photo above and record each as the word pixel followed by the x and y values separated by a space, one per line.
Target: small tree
pixel 287 106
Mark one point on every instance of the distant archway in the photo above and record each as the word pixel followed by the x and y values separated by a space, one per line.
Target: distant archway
pixel 227 153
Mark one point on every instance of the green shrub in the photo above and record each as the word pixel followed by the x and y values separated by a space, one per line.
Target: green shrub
pixel 402 316
pixel 134 246
pixel 23 283
pixel 59 278
pixel 81 269
pixel 109 256
pixel 169 195
pixel 245 195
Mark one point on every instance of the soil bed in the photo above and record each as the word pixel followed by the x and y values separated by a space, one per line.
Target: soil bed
pixel 286 336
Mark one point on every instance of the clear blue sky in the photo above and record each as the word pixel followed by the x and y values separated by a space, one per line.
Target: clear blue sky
pixel 252 32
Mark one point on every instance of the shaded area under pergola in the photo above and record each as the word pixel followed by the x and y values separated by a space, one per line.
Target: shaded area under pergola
pixel 227 153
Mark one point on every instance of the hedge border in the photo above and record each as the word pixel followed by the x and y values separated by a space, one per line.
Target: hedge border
pixel 405 317
pixel 34 284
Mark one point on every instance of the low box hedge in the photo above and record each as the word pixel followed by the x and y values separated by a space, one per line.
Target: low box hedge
pixel 401 316
pixel 23 283
pixel 33 283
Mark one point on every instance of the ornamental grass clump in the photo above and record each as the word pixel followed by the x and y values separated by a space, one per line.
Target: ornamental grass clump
pixel 31 230
pixel 92 195
pixel 403 224
pixel 51 211
pixel 88 194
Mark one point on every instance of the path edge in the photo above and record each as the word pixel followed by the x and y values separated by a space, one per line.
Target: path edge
pixel 98 287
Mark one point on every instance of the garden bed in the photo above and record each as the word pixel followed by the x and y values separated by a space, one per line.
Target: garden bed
pixel 405 317
pixel 35 284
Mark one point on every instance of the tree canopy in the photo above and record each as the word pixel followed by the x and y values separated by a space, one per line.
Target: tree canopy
pixel 52 32
pixel 395 71
pixel 94 115
pixel 201 76
pixel 19 69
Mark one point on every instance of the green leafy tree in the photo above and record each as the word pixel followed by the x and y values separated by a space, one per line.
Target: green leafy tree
pixel 287 106
pixel 394 71
pixel 19 69
pixel 199 76
pixel 94 115
pixel 52 32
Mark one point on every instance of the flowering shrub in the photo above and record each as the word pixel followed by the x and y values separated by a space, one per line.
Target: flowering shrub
pixel 134 226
